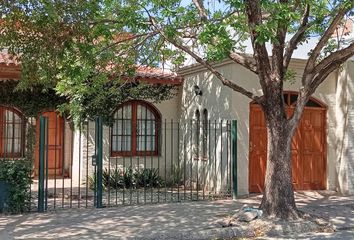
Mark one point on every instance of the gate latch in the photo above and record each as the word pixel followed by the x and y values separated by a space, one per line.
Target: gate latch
pixel 94 160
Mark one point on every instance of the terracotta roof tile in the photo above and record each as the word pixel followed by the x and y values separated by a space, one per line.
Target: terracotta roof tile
pixel 9 67
pixel 7 59
pixel 9 63
pixel 157 75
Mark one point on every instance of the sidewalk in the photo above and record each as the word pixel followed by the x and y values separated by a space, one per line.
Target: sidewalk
pixel 169 221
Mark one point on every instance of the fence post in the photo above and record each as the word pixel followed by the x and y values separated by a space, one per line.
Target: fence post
pixel 41 167
pixel 234 157
pixel 99 153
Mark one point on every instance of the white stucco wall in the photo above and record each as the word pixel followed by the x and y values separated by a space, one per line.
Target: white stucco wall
pixel 209 171
pixel 345 129
pixel 224 103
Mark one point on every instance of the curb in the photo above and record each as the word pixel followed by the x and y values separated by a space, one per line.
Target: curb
pixel 215 233
pixel 288 229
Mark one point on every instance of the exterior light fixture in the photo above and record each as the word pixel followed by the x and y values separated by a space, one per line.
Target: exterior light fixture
pixel 197 90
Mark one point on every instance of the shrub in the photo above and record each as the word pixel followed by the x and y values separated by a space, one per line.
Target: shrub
pixel 92 182
pixel 17 174
pixel 110 180
pixel 148 178
pixel 176 177
pixel 117 179
pixel 129 180
pixel 113 179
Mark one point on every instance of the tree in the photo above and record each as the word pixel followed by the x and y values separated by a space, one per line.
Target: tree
pixel 76 49
pixel 207 31
pixel 211 33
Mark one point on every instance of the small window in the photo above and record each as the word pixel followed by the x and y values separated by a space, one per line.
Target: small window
pixel 196 134
pixel 293 99
pixel 286 100
pixel 290 99
pixel 11 133
pixel 135 130
pixel 205 134
pixel 311 103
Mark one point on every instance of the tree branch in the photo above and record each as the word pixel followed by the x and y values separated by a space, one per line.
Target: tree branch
pixel 207 65
pixel 333 62
pixel 278 48
pixel 200 7
pixel 105 21
pixel 244 61
pixel 127 39
pixel 324 40
pixel 295 40
pixel 338 55
pixel 323 75
pixel 307 91
pixel 319 74
pixel 302 99
pixel 261 56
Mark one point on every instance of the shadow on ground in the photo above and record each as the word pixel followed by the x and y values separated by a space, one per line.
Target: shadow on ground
pixel 163 219
pixel 120 222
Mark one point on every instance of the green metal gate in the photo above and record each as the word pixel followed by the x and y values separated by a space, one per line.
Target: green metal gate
pixel 193 161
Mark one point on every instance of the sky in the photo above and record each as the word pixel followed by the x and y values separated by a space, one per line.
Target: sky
pixel 300 53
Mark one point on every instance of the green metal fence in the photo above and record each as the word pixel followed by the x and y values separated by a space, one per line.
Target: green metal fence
pixel 106 163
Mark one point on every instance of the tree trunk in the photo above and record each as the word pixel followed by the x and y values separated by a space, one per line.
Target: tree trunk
pixel 278 199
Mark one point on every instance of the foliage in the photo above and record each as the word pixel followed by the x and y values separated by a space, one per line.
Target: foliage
pixel 129 178
pixel 17 173
pixel 290 76
pixel 30 101
pixel 92 180
pixel 112 179
pixel 118 179
pixel 70 47
pixel 147 177
pixel 176 177
pixel 104 103
pixel 30 143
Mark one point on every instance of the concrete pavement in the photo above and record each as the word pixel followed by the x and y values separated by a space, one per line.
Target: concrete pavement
pixel 166 221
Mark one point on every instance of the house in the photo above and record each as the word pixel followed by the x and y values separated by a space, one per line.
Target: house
pixel 69 149
pixel 322 152
pixel 193 130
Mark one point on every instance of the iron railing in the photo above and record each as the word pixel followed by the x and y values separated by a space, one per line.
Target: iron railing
pixel 152 162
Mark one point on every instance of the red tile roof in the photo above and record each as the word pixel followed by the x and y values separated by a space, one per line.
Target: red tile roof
pixel 157 75
pixel 8 59
pixel 10 69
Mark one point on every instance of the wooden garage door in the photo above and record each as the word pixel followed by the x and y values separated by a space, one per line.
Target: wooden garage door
pixel 308 146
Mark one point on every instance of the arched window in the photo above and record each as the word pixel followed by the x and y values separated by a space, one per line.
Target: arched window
pixel 135 130
pixel 290 99
pixel 12 130
pixel 205 133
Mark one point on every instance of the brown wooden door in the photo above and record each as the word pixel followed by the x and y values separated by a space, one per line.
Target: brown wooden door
pixel 307 148
pixel 55 143
pixel 258 149
pixel 313 148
